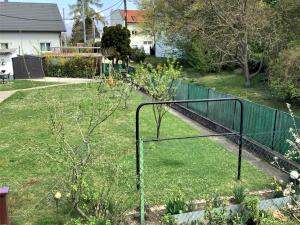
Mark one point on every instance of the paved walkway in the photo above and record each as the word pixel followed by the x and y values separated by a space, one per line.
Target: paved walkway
pixel 65 80
pixel 62 81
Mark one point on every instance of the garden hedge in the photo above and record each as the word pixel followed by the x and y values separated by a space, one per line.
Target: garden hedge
pixel 78 66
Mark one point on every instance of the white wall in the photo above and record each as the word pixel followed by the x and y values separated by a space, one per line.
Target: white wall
pixel 139 39
pixel 29 42
pixel 6 59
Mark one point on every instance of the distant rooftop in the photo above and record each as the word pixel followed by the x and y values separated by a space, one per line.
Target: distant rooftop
pixel 133 16
pixel 41 17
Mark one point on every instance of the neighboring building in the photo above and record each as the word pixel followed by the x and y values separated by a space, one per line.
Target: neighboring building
pixel 134 17
pixel 28 28
pixel 164 49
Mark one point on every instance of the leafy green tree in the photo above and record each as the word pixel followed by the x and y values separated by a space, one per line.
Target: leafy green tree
pixel 151 26
pixel 92 17
pixel 234 32
pixel 285 75
pixel 90 7
pixel 159 83
pixel 77 31
pixel 115 43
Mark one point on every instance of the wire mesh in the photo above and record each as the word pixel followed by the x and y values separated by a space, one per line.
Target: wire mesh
pixel 265 125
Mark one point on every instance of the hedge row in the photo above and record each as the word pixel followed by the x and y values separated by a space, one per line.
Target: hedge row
pixel 78 66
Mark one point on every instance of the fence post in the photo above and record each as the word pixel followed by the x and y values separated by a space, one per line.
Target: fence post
pixel 234 114
pixel 4 219
pixel 274 129
pixel 188 95
pixel 207 111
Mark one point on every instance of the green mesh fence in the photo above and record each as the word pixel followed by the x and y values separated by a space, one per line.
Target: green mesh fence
pixel 194 92
pixel 221 112
pixel 283 123
pixel 259 122
pixel 267 126
pixel 182 92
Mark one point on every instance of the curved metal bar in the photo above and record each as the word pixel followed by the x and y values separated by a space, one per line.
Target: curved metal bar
pixel 187 101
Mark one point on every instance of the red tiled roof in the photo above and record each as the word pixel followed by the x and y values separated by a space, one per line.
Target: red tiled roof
pixel 133 16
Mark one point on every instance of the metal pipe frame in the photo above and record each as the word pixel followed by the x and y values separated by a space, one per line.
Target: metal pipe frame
pixel 240 133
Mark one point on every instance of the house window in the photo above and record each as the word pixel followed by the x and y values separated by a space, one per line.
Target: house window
pixel 45 47
pixel 148 42
pixel 3 45
pixel 133 18
pixel 134 32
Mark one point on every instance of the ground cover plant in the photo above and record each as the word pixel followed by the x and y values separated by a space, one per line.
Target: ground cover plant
pixel 23 84
pixel 196 167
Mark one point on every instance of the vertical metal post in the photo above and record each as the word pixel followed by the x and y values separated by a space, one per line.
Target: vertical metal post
pixel 141 182
pixel 83 20
pixel 234 114
pixel 137 146
pixel 274 130
pixel 4 218
pixel 207 104
pixel 240 140
pixel 126 14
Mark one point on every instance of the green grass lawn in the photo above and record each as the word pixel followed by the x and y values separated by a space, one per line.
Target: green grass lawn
pixel 234 84
pixel 23 84
pixel 198 168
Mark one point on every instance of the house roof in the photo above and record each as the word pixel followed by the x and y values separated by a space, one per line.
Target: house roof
pixel 133 16
pixel 42 17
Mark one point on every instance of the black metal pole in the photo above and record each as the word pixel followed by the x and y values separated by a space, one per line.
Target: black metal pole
pixel 137 129
pixel 240 139
pixel 137 145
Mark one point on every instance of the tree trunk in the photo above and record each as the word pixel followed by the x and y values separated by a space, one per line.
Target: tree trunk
pixel 158 130
pixel 247 74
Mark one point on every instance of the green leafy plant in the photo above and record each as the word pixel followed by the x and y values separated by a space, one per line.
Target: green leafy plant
pixel 168 219
pixel 215 212
pixel 177 204
pixel 250 209
pixel 239 193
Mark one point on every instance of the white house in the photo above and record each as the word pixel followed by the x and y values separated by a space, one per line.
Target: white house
pixel 28 29
pixel 134 17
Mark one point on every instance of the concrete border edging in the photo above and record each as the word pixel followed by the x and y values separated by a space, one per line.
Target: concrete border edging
pixel 266 205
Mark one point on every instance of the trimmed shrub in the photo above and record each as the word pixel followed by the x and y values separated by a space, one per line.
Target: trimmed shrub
pixel 138 55
pixel 285 75
pixel 78 66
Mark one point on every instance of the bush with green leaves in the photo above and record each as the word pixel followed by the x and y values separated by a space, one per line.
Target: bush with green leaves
pixel 160 84
pixel 78 66
pixel 197 56
pixel 138 55
pixel 285 75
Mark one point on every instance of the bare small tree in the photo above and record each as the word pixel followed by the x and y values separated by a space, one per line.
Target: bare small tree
pixel 73 131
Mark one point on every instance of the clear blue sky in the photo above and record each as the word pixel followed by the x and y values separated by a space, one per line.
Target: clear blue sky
pixel 65 4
